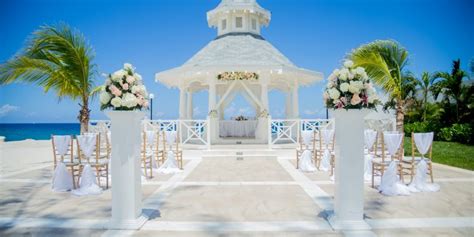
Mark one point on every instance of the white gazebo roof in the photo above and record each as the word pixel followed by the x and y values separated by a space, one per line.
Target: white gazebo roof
pixel 240 52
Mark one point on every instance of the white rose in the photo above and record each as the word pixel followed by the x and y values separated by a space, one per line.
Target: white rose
pixel 334 93
pixel 116 102
pixel 372 98
pixel 330 84
pixel 128 66
pixel 343 74
pixel 348 64
pixel 344 87
pixel 118 75
pixel 129 100
pixel 359 71
pixel 350 76
pixel 105 97
pixel 138 76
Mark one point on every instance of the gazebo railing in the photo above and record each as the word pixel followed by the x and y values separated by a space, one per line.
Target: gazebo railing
pixel 287 131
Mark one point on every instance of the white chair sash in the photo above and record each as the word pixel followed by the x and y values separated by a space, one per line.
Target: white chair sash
pixel 170 137
pixel 419 183
pixel 392 141
pixel 390 185
pixel 87 144
pixel 62 143
pixel 88 184
pixel 62 179
pixel 369 138
pixel 307 137
pixel 150 138
pixel 423 142
pixel 305 163
pixel 170 166
pixel 327 135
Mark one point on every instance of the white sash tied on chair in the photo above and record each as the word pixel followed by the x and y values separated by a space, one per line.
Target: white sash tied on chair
pixel 369 140
pixel 170 166
pixel 88 183
pixel 327 135
pixel 150 139
pixel 62 178
pixel 305 162
pixel 170 137
pixel 423 142
pixel 390 184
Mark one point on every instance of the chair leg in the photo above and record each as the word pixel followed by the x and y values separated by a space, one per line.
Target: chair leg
pixel 97 169
pixel 73 178
pixel 431 171
pixel 373 174
pixel 151 167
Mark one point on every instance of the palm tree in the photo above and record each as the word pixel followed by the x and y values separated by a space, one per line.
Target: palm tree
pixel 425 84
pixel 451 86
pixel 56 58
pixel 384 62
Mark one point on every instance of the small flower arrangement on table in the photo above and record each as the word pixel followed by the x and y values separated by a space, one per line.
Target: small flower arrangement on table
pixel 241 118
pixel 237 76
pixel 350 88
pixel 124 90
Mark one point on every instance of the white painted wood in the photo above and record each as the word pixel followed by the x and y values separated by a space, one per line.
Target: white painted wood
pixel 126 170
pixel 349 171
pixel 189 105
pixel 294 102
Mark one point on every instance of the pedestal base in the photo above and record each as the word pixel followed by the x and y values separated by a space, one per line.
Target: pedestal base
pixel 128 224
pixel 348 225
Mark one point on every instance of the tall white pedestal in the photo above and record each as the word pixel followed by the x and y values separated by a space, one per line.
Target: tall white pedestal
pixel 126 170
pixel 349 170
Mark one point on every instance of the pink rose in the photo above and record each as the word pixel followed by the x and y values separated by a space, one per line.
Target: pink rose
pixel 355 99
pixel 125 86
pixel 130 79
pixel 344 100
pixel 145 103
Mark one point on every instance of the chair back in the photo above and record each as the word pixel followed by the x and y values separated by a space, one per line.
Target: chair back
pixel 393 141
pixel 62 147
pixel 88 147
pixel 423 143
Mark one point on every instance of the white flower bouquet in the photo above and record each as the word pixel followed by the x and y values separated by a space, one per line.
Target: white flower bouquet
pixel 350 88
pixel 240 76
pixel 124 90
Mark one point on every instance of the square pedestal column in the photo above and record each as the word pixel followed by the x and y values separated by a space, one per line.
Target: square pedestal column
pixel 349 170
pixel 126 170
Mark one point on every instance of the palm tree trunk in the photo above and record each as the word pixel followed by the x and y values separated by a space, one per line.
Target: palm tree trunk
pixel 84 116
pixel 400 115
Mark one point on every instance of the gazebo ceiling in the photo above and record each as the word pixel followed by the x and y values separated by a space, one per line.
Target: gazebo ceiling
pixel 238 52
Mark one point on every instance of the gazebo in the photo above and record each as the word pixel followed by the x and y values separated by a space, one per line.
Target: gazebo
pixel 238 61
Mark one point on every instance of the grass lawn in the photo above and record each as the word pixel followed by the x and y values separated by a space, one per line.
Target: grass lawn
pixel 449 153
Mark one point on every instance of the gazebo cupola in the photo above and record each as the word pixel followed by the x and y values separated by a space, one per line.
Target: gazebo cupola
pixel 238 16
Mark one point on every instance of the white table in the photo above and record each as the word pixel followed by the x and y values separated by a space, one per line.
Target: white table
pixel 232 128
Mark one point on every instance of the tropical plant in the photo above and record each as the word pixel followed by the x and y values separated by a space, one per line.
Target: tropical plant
pixel 451 86
pixel 384 62
pixel 57 58
pixel 425 84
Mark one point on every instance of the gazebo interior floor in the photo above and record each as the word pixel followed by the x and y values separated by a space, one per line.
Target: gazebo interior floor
pixel 253 196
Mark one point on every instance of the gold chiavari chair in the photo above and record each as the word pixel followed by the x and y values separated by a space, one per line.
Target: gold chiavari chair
pixel 322 147
pixel 148 152
pixel 100 160
pixel 72 163
pixel 409 164
pixel 302 147
pixel 380 164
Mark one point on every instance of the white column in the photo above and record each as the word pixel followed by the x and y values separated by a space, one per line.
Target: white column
pixel 212 95
pixel 288 105
pixel 264 95
pixel 294 94
pixel 349 170
pixel 126 170
pixel 182 103
pixel 189 104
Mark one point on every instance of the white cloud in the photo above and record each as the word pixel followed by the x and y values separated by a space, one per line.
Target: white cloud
pixel 311 112
pixel 6 109
pixel 197 111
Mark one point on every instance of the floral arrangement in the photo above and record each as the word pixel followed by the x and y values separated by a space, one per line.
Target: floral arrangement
pixel 241 118
pixel 124 90
pixel 240 76
pixel 213 113
pixel 263 114
pixel 350 88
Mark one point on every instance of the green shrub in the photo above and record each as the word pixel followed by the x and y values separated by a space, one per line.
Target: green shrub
pixel 457 133
pixel 432 126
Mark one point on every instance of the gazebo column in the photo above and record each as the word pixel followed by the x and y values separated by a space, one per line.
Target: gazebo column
pixel 264 122
pixel 264 96
pixel 213 120
pixel 189 105
pixel 294 94
pixel 182 103
pixel 288 105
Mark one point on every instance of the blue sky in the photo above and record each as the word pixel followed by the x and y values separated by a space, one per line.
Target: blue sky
pixel 158 35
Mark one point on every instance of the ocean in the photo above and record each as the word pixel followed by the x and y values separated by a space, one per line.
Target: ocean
pixel 37 131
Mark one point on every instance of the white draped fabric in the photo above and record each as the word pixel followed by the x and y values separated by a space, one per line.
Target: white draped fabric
pixel 62 178
pixel 369 140
pixel 170 137
pixel 390 184
pixel 307 137
pixel 392 140
pixel 170 166
pixel 88 184
pixel 230 128
pixel 150 138
pixel 327 135
pixel 423 142
pixel 87 143
pixel 305 162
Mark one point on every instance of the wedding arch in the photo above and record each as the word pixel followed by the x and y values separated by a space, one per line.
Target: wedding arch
pixel 238 61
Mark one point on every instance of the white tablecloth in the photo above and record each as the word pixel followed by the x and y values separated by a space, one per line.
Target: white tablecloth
pixel 231 128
